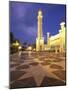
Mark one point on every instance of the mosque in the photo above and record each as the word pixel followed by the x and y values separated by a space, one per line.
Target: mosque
pixel 54 43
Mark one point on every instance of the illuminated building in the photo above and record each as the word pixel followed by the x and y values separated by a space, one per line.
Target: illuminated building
pixel 40 38
pixel 57 42
pixel 29 48
pixel 16 43
pixel 54 42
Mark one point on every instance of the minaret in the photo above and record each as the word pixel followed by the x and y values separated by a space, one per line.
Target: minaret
pixel 40 39
pixel 48 35
pixel 40 23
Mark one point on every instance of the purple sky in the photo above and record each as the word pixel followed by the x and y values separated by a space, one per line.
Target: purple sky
pixel 23 19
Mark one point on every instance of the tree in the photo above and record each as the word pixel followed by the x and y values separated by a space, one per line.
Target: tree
pixel 12 39
pixel 14 43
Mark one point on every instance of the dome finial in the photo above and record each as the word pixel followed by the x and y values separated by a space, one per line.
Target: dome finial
pixel 40 12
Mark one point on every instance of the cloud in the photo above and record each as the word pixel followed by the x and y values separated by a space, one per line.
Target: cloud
pixel 31 31
pixel 19 10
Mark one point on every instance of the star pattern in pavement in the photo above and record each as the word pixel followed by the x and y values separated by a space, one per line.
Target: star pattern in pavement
pixel 37 68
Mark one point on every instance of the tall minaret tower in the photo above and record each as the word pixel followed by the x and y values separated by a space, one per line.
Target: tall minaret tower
pixel 40 39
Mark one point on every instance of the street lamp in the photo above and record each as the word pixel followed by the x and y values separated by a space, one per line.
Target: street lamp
pixel 19 47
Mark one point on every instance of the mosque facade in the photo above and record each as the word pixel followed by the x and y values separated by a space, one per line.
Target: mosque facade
pixel 57 42
pixel 54 42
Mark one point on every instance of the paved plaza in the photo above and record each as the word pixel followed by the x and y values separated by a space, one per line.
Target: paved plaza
pixel 37 69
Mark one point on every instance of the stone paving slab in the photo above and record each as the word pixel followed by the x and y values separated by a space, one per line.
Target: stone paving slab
pixel 33 69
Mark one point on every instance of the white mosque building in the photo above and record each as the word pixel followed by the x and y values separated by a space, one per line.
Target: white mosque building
pixel 55 42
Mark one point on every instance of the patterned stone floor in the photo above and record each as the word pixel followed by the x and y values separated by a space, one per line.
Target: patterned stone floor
pixel 32 69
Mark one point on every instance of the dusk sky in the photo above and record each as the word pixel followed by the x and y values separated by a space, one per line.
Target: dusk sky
pixel 23 19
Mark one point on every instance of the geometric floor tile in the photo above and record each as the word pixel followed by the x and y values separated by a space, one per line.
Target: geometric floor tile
pixel 25 83
pixel 37 69
pixel 54 66
pixel 60 74
pixel 47 81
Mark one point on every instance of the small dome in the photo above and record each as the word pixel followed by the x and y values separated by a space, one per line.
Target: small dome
pixel 62 23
